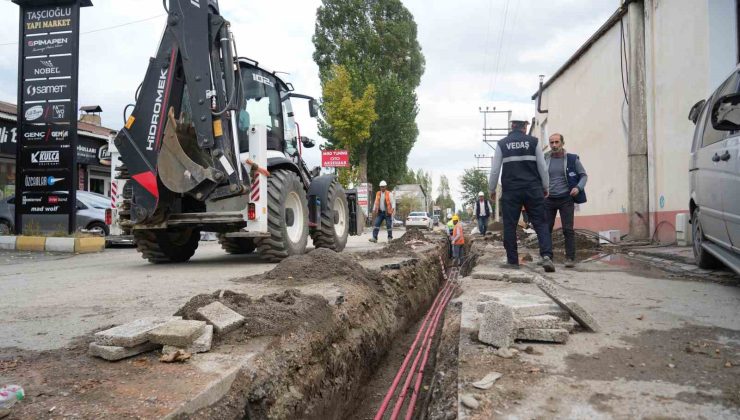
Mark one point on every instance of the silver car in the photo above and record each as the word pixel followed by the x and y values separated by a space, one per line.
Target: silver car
pixel 715 177
pixel 91 215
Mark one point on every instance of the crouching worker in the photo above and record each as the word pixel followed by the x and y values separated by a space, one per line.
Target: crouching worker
pixel 458 241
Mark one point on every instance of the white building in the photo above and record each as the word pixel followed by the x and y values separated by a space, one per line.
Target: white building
pixel 689 48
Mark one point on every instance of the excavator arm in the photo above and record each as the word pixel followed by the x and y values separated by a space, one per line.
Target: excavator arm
pixel 178 138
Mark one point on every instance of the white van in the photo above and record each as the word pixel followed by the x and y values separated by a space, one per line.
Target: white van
pixel 714 173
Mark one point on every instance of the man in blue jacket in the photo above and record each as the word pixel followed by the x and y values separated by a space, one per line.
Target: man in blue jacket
pixel 567 182
pixel 524 182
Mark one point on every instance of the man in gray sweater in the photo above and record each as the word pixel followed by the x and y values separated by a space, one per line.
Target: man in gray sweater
pixel 567 181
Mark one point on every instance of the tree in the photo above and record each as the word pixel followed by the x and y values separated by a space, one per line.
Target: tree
pixel 472 182
pixel 376 41
pixel 405 205
pixel 444 197
pixel 350 117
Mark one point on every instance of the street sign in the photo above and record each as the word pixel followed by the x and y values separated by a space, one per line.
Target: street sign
pixel 46 140
pixel 335 158
pixel 363 194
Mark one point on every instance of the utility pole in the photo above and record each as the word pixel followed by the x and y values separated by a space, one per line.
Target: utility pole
pixel 492 135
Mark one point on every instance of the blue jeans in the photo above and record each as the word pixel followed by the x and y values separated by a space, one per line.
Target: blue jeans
pixel 511 205
pixel 388 224
pixel 482 224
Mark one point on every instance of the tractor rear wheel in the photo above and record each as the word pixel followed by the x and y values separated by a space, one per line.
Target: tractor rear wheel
pixel 167 245
pixel 333 231
pixel 236 246
pixel 287 217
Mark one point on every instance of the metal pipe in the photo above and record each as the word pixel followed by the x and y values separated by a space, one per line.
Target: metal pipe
pixel 539 97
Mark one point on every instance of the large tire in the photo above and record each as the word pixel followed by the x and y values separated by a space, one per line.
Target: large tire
pixel 236 246
pixel 287 217
pixel 167 246
pixel 701 256
pixel 333 231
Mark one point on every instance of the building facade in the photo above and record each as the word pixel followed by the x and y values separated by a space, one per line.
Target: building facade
pixel 689 48
pixel 93 159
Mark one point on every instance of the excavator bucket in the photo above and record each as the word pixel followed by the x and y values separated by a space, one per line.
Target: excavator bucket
pixel 178 171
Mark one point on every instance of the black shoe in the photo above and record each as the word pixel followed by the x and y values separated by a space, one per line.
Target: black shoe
pixel 570 263
pixel 548 265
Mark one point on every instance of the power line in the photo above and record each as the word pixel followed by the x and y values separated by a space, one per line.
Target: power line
pixel 508 43
pixel 105 28
pixel 500 45
pixel 486 44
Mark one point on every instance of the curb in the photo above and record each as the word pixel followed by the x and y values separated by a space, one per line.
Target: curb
pixel 41 244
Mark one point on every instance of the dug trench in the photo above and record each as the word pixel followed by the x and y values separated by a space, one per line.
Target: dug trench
pixel 325 360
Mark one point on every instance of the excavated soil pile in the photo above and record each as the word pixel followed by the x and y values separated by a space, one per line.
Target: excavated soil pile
pixel 405 245
pixel 321 354
pixel 269 315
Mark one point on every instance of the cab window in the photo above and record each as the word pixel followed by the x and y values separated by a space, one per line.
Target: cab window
pixel 711 135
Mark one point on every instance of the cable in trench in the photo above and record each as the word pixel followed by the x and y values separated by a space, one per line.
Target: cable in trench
pixel 428 328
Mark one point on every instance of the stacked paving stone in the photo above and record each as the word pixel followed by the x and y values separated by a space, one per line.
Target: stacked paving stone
pixel 512 315
pixel 485 272
pixel 170 334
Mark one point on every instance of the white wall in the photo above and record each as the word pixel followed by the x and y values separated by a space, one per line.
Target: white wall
pixel 585 105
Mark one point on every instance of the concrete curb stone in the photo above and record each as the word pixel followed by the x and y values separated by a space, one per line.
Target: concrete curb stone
pixel 178 333
pixel 113 353
pixel 201 344
pixel 224 319
pixel 131 334
pixel 7 242
pixel 542 334
pixel 574 308
pixel 497 326
pixel 60 244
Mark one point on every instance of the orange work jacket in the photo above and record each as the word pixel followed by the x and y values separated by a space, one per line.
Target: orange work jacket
pixel 458 231
pixel 388 206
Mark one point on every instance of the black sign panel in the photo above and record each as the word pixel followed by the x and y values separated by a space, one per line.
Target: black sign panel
pixel 45 203
pixel 58 66
pixel 52 112
pixel 46 44
pixel 51 180
pixel 47 125
pixel 46 135
pixel 46 157
pixel 50 19
pixel 49 89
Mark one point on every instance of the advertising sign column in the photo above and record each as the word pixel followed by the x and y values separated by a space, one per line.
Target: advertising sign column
pixel 46 159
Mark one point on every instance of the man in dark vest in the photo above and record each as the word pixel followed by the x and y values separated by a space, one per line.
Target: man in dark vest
pixel 483 210
pixel 567 182
pixel 524 182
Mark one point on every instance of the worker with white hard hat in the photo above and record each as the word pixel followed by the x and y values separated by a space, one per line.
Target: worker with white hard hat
pixel 483 210
pixel 525 182
pixel 383 210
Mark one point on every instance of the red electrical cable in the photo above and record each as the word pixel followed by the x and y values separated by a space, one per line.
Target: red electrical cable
pixel 402 369
pixel 420 372
pixel 429 331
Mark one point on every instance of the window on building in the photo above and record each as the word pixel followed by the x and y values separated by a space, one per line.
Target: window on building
pixel 7 179
pixel 711 135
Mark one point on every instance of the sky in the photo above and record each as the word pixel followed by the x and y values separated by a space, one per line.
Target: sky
pixel 478 53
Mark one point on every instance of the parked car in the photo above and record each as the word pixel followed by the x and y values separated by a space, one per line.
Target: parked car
pixel 91 215
pixel 435 219
pixel 715 177
pixel 396 222
pixel 419 219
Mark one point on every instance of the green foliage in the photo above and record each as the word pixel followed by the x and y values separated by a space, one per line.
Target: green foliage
pixel 444 197
pixel 376 41
pixel 404 206
pixel 349 116
pixel 473 181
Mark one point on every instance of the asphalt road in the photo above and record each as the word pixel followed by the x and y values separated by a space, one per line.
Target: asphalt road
pixel 48 299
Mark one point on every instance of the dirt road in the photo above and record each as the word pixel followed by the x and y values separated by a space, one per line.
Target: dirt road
pixel 49 299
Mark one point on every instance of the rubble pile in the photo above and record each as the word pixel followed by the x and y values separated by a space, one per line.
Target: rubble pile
pixel 513 315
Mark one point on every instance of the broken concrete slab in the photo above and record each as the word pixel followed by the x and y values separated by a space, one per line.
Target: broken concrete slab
pixel 113 353
pixel 178 333
pixel 223 319
pixel 540 322
pixel 497 326
pixel 524 304
pixel 201 344
pixel 488 380
pixel 548 335
pixel 488 275
pixel 131 334
pixel 569 304
pixel 520 278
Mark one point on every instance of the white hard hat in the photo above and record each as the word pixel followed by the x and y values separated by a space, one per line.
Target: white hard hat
pixel 520 116
pixel 383 184
pixel 480 194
